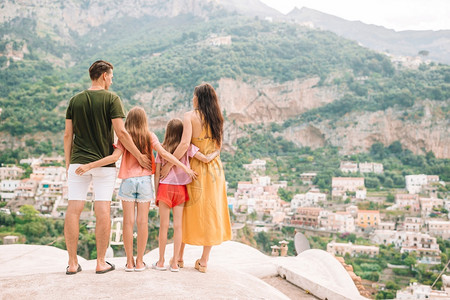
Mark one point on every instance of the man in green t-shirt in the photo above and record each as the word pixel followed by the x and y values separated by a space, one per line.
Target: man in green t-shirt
pixel 92 117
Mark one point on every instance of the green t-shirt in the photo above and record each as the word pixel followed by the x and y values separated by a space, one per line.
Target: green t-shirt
pixel 91 112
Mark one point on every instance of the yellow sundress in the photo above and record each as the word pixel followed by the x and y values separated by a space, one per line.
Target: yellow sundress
pixel 206 219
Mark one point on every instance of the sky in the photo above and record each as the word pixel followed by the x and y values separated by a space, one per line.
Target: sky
pixel 392 14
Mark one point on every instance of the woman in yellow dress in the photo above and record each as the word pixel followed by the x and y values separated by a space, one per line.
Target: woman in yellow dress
pixel 206 219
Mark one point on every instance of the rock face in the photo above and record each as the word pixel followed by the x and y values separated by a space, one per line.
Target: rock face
pixel 357 131
pixel 81 16
pixel 264 101
pixel 421 128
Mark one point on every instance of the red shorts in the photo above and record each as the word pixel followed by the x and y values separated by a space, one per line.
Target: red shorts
pixel 172 195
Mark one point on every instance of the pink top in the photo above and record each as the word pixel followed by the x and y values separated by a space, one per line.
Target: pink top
pixel 176 175
pixel 129 166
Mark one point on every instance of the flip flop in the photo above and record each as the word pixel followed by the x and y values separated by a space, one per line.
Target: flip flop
pixel 155 266
pixel 107 270
pixel 73 273
pixel 129 269
pixel 174 270
pixel 141 269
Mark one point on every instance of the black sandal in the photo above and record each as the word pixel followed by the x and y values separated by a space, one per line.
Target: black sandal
pixel 73 273
pixel 107 270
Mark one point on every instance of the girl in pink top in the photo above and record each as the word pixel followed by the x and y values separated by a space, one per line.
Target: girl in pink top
pixel 136 187
pixel 171 192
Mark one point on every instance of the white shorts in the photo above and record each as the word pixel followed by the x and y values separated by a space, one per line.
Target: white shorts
pixel 103 180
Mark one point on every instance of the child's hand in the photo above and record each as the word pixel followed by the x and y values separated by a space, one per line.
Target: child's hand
pixel 213 155
pixel 192 174
pixel 82 169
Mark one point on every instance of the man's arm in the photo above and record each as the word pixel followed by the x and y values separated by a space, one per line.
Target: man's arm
pixel 128 143
pixel 68 142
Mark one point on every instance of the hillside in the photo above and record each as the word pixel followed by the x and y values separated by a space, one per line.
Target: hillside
pixel 310 86
pixel 408 42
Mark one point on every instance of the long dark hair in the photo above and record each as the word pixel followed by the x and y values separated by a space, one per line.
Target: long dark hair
pixel 137 126
pixel 172 138
pixel 208 105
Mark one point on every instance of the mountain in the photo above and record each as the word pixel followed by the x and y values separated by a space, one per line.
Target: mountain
pixel 250 7
pixel 410 42
pixel 307 85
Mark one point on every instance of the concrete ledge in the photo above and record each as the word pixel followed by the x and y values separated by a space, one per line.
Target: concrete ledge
pixel 319 273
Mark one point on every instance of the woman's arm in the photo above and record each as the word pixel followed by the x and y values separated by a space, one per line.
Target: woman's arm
pixel 172 159
pixel 156 178
pixel 184 143
pixel 206 159
pixel 99 163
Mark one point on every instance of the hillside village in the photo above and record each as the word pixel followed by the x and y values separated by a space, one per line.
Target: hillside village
pixel 334 129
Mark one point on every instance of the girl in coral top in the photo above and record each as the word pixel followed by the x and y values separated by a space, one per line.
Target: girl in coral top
pixel 171 192
pixel 136 188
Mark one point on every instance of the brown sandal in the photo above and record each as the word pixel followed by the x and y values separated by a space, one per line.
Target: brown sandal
pixel 199 267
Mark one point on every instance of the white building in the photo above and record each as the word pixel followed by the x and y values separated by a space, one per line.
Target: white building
pixel 310 199
pixel 307 178
pixel 261 180
pixel 26 189
pixel 257 164
pixel 414 224
pixel 439 228
pixel 370 167
pixel 428 204
pixel 52 187
pixel 420 291
pixel 353 250
pixel 386 226
pixel 423 245
pixel 11 172
pixel 7 189
pixel 353 210
pixel 341 185
pixel 344 222
pixel 415 183
pixel 348 167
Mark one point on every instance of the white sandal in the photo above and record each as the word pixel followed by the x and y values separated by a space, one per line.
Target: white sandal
pixel 129 269
pixel 155 266
pixel 141 269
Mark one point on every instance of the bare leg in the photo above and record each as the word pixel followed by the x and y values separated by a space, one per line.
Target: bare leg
pixel 177 232
pixel 102 232
pixel 142 224
pixel 180 256
pixel 205 256
pixel 128 223
pixel 164 219
pixel 72 231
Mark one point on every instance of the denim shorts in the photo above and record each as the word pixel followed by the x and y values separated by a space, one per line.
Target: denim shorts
pixel 136 189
